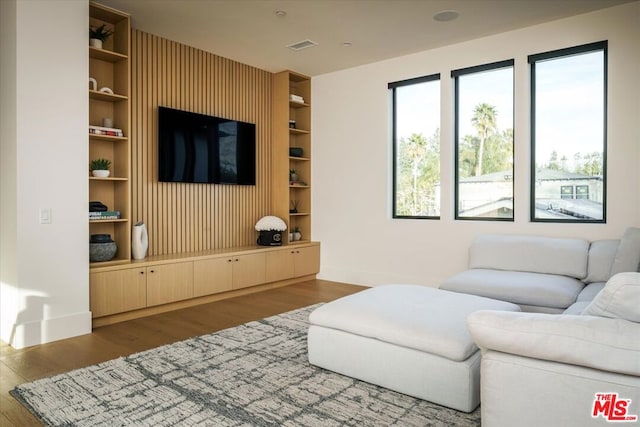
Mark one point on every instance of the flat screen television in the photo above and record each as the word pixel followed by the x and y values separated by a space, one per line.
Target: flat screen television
pixel 205 149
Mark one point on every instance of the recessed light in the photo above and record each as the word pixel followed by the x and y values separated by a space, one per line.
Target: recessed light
pixel 280 13
pixel 446 15
pixel 346 44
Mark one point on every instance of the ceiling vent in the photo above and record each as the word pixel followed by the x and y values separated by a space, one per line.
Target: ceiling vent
pixel 302 45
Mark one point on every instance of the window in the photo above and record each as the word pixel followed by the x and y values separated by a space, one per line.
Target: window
pixel 484 141
pixel 416 147
pixel 566 192
pixel 568 133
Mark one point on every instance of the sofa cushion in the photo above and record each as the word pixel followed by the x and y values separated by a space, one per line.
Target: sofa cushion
pixel 589 292
pixel 628 254
pixel 601 256
pixel 411 316
pixel 535 254
pixel 594 342
pixel 535 289
pixel 620 298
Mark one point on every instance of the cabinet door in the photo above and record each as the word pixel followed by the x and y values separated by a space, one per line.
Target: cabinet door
pixel 211 276
pixel 280 265
pixel 117 291
pixel 307 261
pixel 249 270
pixel 169 283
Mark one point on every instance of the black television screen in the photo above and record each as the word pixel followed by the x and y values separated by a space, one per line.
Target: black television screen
pixel 205 149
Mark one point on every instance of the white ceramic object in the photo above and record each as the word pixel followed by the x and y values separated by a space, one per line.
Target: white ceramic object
pixel 100 173
pixel 139 241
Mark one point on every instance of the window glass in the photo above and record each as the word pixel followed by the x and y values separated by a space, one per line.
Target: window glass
pixel 484 142
pixel 416 147
pixel 569 134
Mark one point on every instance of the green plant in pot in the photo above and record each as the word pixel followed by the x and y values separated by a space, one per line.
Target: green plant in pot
pixel 293 175
pixel 297 235
pixel 98 35
pixel 100 167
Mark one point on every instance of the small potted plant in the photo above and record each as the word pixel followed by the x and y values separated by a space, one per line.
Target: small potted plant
pixel 100 167
pixel 98 35
pixel 293 175
pixel 297 235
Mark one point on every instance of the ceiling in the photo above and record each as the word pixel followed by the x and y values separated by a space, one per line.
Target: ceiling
pixel 250 31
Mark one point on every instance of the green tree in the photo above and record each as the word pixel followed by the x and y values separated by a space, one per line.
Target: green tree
pixel 418 170
pixel 484 120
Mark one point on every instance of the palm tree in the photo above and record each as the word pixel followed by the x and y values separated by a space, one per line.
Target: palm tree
pixel 484 120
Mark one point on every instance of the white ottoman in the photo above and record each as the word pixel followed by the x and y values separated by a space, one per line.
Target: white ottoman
pixel 408 338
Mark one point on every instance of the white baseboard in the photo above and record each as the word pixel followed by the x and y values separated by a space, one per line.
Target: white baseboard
pixel 48 330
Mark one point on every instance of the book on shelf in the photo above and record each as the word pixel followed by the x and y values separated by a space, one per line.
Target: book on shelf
pixel 104 215
pixel 101 130
pixel 296 98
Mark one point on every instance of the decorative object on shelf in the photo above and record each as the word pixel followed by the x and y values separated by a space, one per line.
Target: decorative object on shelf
pixel 102 248
pixel 104 216
pixel 100 167
pixel 139 241
pixel 297 235
pixel 97 206
pixel 296 152
pixel 293 175
pixel 101 130
pixel 292 124
pixel 93 84
pixel 107 122
pixel 106 90
pixel 294 206
pixel 270 229
pixel 296 98
pixel 98 35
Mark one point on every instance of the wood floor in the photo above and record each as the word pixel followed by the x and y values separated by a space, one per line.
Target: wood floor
pixel 110 342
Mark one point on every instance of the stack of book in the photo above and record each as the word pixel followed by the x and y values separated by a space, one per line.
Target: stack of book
pixel 95 216
pixel 296 98
pixel 101 130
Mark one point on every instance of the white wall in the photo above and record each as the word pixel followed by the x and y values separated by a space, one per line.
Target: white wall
pixel 352 153
pixel 44 268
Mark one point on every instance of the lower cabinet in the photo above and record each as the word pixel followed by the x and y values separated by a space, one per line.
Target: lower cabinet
pixel 119 289
pixel 292 262
pixel 169 283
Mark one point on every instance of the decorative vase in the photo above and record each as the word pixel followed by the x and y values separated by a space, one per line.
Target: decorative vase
pixel 297 236
pixel 102 248
pixel 100 173
pixel 139 241
pixel 97 43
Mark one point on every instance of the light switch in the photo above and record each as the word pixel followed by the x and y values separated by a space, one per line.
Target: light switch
pixel 45 215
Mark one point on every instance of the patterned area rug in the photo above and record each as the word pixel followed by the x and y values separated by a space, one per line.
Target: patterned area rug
pixel 256 374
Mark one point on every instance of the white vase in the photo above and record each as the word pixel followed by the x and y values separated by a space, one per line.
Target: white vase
pixel 139 241
pixel 97 43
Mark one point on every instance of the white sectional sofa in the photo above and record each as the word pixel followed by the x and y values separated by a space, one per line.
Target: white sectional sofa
pixel 544 274
pixel 563 370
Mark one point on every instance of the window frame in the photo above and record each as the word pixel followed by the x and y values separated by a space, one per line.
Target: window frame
pixel 393 86
pixel 456 94
pixel 556 54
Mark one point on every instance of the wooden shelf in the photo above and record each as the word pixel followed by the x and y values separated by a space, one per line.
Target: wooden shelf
pixel 109 97
pixel 300 214
pixel 295 131
pixel 294 104
pixel 109 178
pixel 105 221
pixel 109 138
pixel 299 159
pixel 106 55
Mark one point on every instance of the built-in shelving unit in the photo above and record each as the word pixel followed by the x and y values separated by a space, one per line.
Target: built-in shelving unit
pixel 292 128
pixel 110 67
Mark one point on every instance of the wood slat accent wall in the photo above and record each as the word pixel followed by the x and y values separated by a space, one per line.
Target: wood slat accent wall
pixel 184 217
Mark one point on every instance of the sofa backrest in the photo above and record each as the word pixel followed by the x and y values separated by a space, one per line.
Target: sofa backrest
pixel 535 254
pixel 601 256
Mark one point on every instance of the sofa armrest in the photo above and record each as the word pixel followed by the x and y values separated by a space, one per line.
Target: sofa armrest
pixel 595 342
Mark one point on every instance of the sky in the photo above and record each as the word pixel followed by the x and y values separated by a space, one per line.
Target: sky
pixel 569 104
